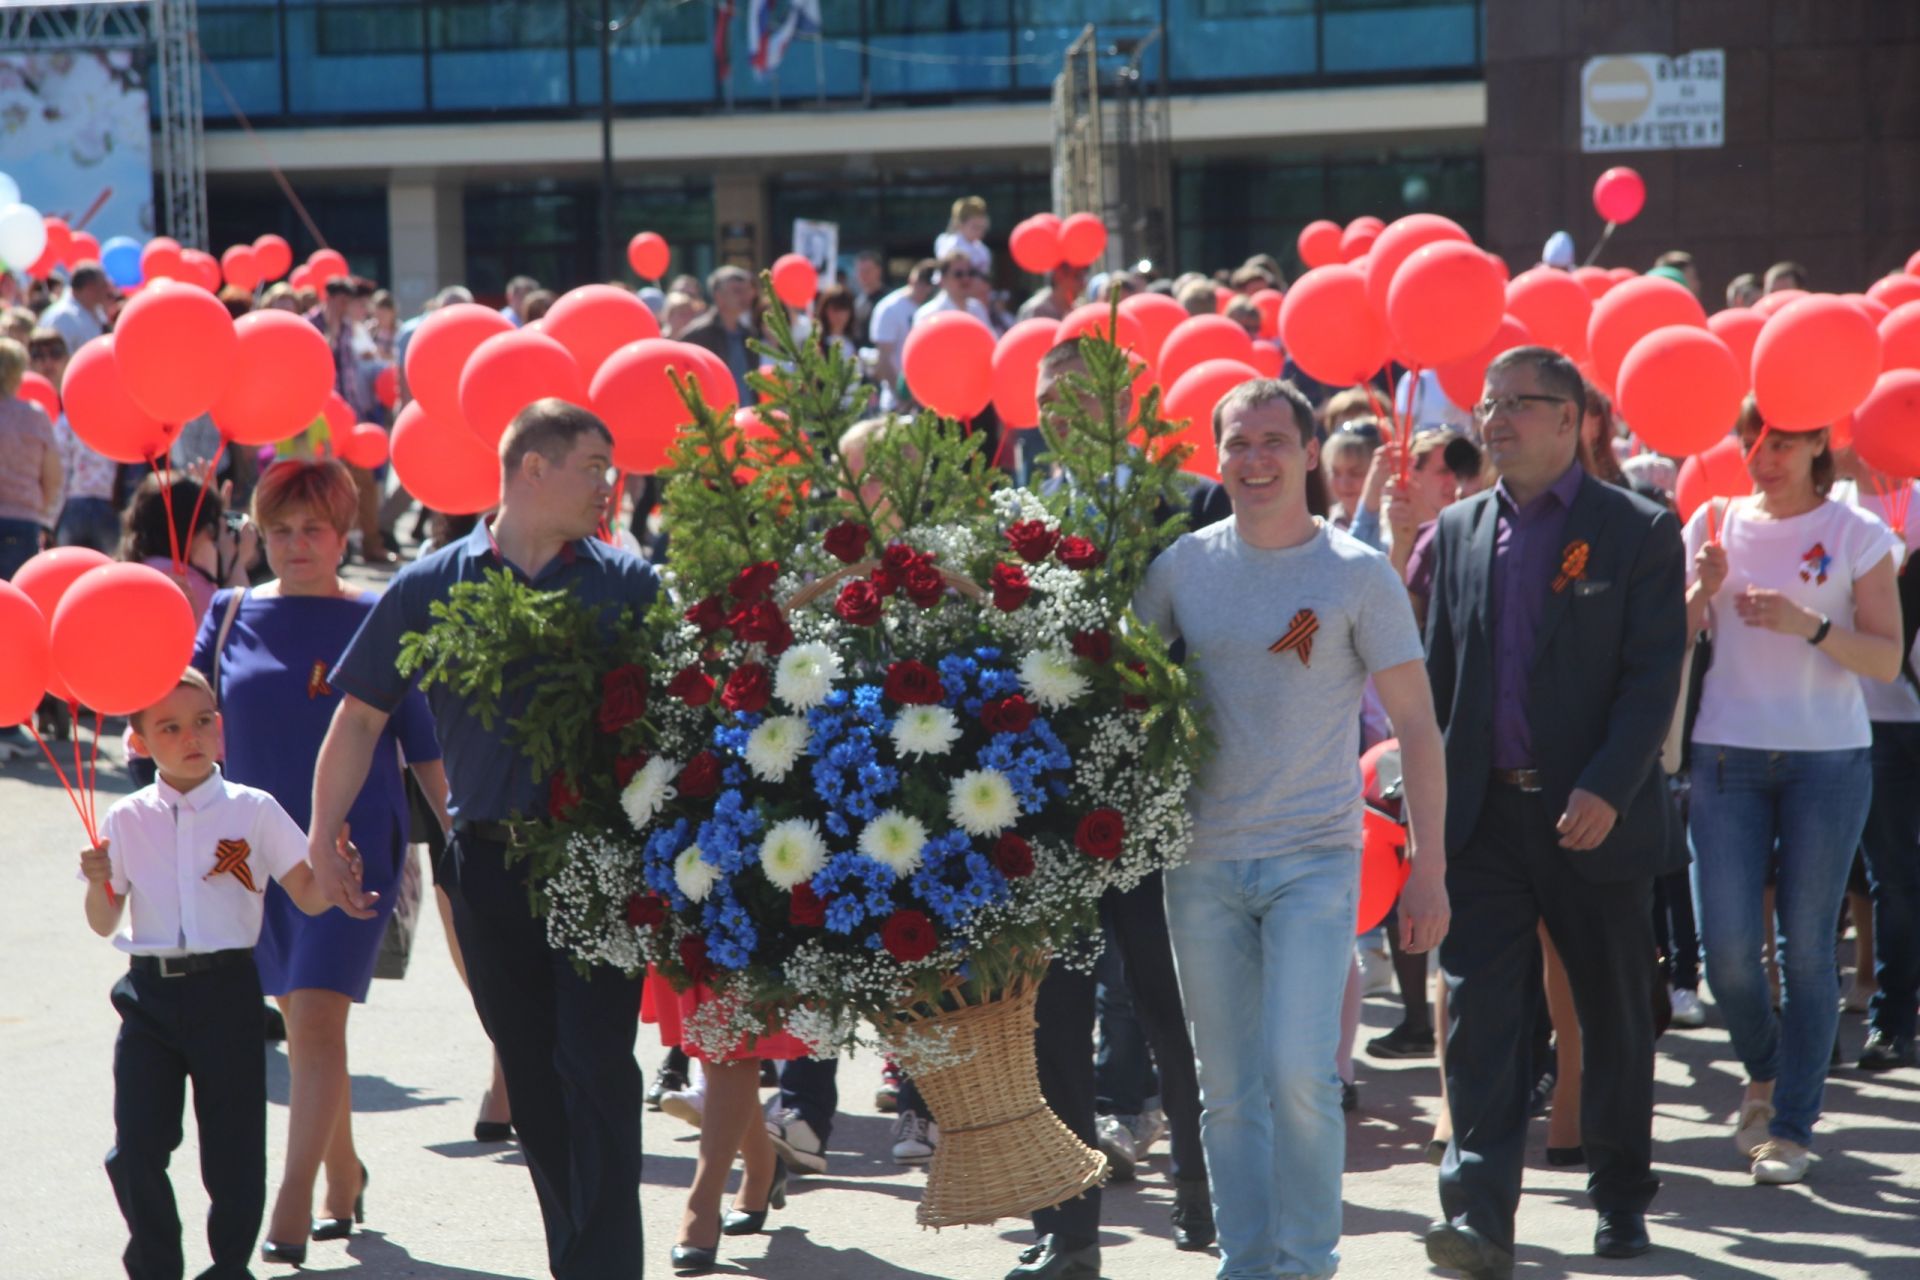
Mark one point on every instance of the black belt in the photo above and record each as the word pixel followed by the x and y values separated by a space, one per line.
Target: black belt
pixel 1527 780
pixel 480 829
pixel 187 966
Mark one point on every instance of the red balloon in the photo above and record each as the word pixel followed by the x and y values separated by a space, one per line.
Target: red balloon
pixel 103 414
pixel 794 280
pixel 1319 243
pixel 1269 359
pixel 1629 312
pixel 443 464
pixel 84 248
pixel 1738 327
pixel 1200 338
pixel 1900 337
pixel 635 398
pixel 1359 237
pixel 365 446
pixel 1595 280
pixel 339 418
pixel 1083 238
pixel 1384 868
pixel 1814 361
pixel 59 237
pixel 200 268
pixel 1681 389
pixel 1554 307
pixel 1464 380
pixel 1779 298
pixel 89 637
pixel 1620 275
pixel 1619 194
pixel 1016 367
pixel 439 351
pixel 282 376
pixel 1223 297
pixel 648 255
pixel 1095 318
pixel 948 360
pixel 1193 398
pixel 386 385
pixel 596 320
pixel 1446 302
pixel 273 255
pixel 1329 329
pixel 160 257
pixel 1913 264
pixel 241 267
pixel 24 655
pixel 1397 243
pixel 175 348
pixel 1886 426
pixel 1719 472
pixel 44 579
pixel 1874 309
pixel 327 264
pixel 1269 300
pixel 1035 245
pixel 302 278
pixel 508 372
pixel 1158 316
pixel 36 388
pixel 1895 290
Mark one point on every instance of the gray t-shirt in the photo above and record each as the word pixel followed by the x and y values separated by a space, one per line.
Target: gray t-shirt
pixel 1285 775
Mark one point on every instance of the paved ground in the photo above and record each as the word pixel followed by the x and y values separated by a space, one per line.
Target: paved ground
pixel 440 1206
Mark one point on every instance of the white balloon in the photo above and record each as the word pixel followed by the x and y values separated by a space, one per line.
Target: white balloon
pixel 9 190
pixel 23 235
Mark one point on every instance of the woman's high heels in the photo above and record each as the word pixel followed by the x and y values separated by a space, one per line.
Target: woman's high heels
pixel 341 1228
pixel 740 1222
pixel 491 1131
pixel 693 1260
pixel 290 1255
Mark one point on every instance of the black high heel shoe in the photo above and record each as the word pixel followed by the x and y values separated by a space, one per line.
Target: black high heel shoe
pixel 491 1131
pixel 693 1260
pixel 341 1228
pixel 1566 1157
pixel 289 1255
pixel 741 1222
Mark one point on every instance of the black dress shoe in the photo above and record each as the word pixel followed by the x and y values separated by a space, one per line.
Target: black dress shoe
pixel 692 1260
pixel 746 1222
pixel 665 1081
pixel 1192 1215
pixel 1621 1234
pixel 1047 1260
pixel 1541 1099
pixel 1468 1252
pixel 1887 1053
pixel 1566 1157
pixel 341 1228
pixel 1402 1043
pixel 288 1255
pixel 273 1025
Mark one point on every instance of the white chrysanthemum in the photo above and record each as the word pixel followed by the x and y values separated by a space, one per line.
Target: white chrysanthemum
pixel 649 791
pixel 1051 679
pixel 792 852
pixel 896 840
pixel 925 731
pixel 806 674
pixel 982 803
pixel 773 748
pixel 694 874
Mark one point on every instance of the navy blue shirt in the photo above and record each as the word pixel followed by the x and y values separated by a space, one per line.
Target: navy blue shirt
pixel 489 778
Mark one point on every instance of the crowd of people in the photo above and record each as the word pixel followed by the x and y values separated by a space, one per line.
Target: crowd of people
pixel 1630 753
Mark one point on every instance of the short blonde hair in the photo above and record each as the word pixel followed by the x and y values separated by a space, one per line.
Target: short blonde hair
pixel 968 207
pixel 325 488
pixel 13 366
pixel 1354 402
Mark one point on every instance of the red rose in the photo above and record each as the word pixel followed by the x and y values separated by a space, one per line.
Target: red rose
pixel 847 541
pixel 700 778
pixel 1094 646
pixel 693 958
pixel 1032 541
pixel 763 624
pixel 562 798
pixel 859 603
pixel 908 936
pixel 1100 834
pixel 1136 701
pixel 924 584
pixel 883 582
pixel 913 684
pixel 623 697
pixel 1013 857
pixel 754 581
pixel 899 557
pixel 1010 587
pixel 747 690
pixel 646 911
pixel 1078 553
pixel 1012 714
pixel 805 910
pixel 709 615
pixel 626 766
pixel 692 686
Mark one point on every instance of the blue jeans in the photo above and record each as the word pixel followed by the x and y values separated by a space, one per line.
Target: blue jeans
pixel 19 543
pixel 89 522
pixel 1892 845
pixel 1808 807
pixel 1263 947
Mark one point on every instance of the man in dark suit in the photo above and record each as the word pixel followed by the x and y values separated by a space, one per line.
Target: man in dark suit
pixel 1555 637
pixel 728 324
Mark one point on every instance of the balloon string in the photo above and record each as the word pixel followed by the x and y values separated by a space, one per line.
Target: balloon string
pixel 1606 234
pixel 1758 440
pixel 163 467
pixel 86 822
pixel 93 772
pixel 206 482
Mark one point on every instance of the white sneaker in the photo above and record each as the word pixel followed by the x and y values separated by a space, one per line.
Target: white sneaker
pixel 1779 1162
pixel 1376 973
pixel 914 1138
pixel 1148 1128
pixel 1751 1133
pixel 1114 1136
pixel 795 1139
pixel 1687 1010
pixel 688 1104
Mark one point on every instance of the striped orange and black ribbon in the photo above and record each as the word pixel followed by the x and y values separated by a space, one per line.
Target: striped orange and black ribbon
pixel 1299 637
pixel 230 858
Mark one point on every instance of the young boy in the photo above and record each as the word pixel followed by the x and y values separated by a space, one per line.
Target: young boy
pixel 187 858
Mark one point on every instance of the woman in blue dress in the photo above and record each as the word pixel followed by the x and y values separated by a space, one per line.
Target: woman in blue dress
pixel 268 654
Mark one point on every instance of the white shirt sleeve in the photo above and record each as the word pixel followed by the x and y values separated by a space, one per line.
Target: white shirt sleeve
pixel 277 838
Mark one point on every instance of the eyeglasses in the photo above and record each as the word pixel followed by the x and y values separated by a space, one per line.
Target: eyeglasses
pixel 1509 405
pixel 46 351
pixel 960 273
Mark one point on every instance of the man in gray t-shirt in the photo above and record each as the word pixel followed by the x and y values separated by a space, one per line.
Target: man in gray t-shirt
pixel 1284 619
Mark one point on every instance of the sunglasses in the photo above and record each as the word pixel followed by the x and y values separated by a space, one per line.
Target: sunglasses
pixel 960 273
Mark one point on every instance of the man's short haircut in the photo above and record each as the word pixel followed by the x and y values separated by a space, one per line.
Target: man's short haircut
pixel 522 285
pixel 86 275
pixel 1259 392
pixel 550 428
pixel 1351 402
pixel 1740 286
pixel 1678 259
pixel 47 342
pixel 452 295
pixel 722 275
pixel 1243 309
pixel 869 255
pixel 1559 375
pixel 339 287
pixel 924 271
pixel 958 258
pixel 189 679
pixel 1251 274
pixel 1780 271
pixel 1271 266
pixel 325 488
pixel 1063 357
pixel 1199 298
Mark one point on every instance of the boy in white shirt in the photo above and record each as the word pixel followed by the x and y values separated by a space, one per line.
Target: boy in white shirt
pixel 186 860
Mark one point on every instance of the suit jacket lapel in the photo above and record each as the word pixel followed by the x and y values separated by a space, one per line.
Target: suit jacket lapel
pixel 1584 523
pixel 1480 548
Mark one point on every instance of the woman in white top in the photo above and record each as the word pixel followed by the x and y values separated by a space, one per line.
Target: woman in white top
pixel 966 233
pixel 1798 592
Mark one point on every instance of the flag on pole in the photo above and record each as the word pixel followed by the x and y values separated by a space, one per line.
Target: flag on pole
pixel 768 40
pixel 722 40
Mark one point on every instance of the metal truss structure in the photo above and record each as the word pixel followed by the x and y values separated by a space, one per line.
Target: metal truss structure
pixel 1111 146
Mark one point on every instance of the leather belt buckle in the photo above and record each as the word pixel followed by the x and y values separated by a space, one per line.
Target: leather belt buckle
pixel 175 966
pixel 1526 781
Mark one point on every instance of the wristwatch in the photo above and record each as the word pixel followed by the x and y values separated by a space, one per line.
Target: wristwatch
pixel 1820 633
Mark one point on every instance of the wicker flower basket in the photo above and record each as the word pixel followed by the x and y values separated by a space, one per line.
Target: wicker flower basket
pixel 1002 1152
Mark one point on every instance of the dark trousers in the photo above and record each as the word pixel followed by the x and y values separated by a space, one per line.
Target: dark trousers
pixel 1675 934
pixel 811 1086
pixel 204 1027
pixel 1511 875
pixel 1892 844
pixel 1137 926
pixel 1123 1074
pixel 566 1046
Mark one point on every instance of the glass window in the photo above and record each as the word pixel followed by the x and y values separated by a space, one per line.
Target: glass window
pixel 504 24
pixel 345 30
pixel 551 230
pixel 353 218
pixel 239 33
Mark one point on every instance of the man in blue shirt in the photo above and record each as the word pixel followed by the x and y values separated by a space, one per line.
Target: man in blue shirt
pixel 565 1042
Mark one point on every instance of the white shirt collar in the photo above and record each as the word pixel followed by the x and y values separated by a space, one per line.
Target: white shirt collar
pixel 197 799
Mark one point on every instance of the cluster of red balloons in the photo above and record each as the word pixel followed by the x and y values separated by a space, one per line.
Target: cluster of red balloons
pixel 1044 241
pixel 64 625
pixel 65 248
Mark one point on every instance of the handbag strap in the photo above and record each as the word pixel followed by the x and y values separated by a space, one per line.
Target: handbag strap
pixel 220 640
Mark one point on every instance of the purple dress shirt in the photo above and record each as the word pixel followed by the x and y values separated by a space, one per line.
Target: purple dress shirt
pixel 1527 549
